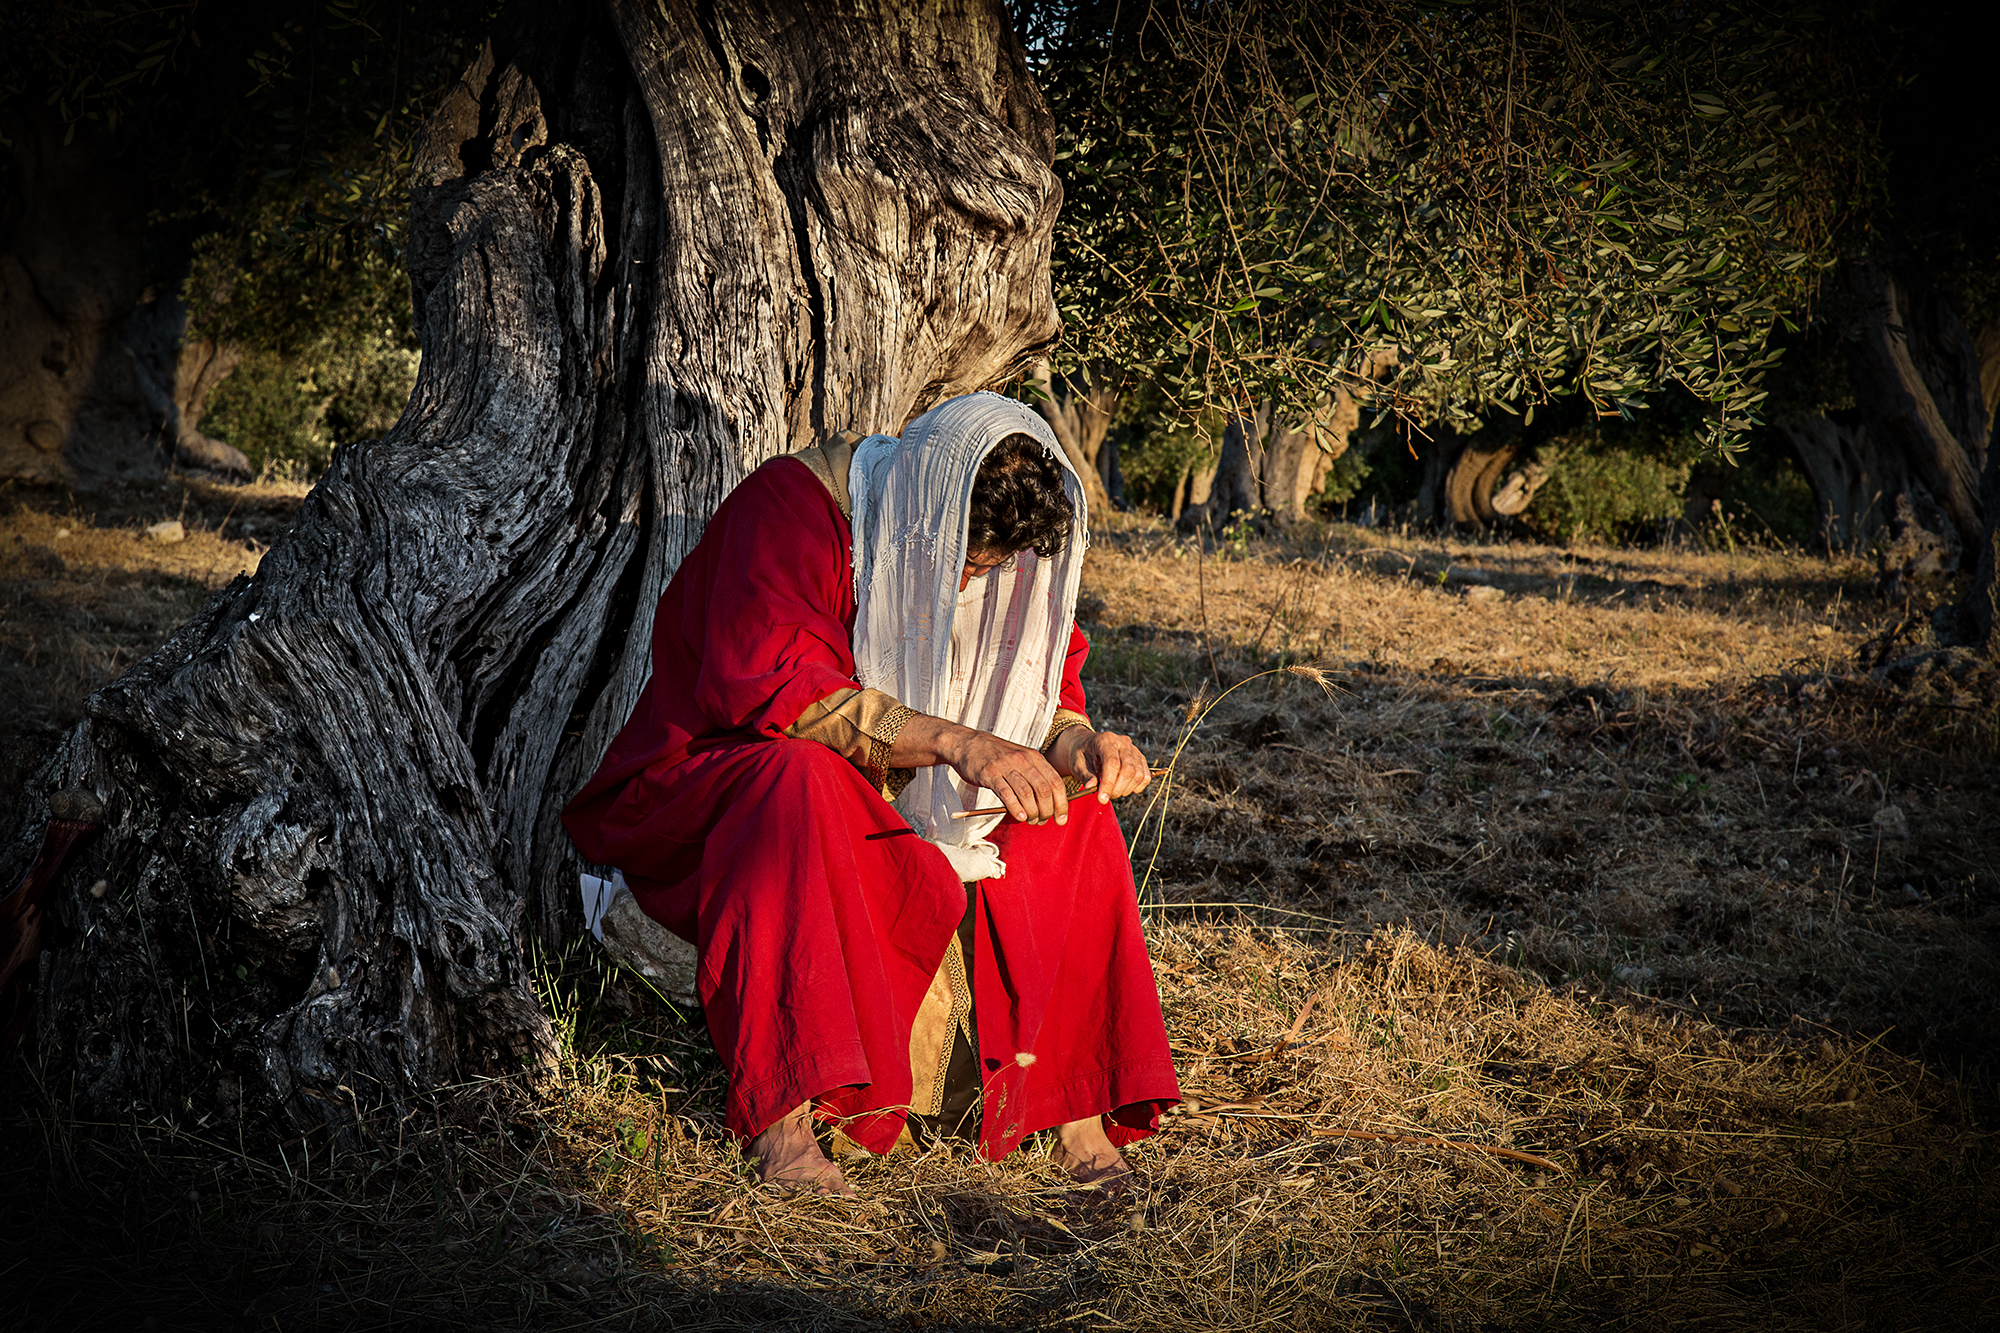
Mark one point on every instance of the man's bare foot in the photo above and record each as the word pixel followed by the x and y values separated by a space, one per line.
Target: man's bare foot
pixel 1083 1149
pixel 788 1154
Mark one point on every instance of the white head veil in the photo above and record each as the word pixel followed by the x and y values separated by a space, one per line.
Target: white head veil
pixel 912 501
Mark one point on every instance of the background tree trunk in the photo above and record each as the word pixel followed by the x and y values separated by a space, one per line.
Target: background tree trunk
pixel 1915 455
pixel 1850 474
pixel 1916 380
pixel 651 246
pixel 74 406
pixel 1080 413
pixel 178 370
pixel 1272 466
pixel 1471 481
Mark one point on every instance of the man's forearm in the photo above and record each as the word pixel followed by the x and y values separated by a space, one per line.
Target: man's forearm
pixel 925 740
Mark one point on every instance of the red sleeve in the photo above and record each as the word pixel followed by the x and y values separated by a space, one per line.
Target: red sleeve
pixel 772 627
pixel 1072 681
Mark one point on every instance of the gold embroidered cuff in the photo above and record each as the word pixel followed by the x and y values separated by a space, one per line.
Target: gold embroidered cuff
pixel 1061 722
pixel 861 727
pixel 882 739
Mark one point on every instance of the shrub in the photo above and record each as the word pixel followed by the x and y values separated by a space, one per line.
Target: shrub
pixel 1601 490
pixel 268 409
pixel 287 413
pixel 1344 480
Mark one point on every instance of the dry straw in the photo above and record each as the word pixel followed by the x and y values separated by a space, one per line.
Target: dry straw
pixel 1591 874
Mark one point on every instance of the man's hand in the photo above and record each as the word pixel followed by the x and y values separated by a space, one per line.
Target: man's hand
pixel 1026 783
pixel 1113 760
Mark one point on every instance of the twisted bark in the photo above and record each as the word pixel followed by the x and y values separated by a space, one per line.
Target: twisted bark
pixel 1079 411
pixel 1272 465
pixel 1934 420
pixel 652 245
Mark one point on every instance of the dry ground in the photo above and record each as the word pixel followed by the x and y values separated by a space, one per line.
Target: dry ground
pixel 1587 856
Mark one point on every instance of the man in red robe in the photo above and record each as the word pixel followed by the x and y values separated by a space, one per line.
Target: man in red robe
pixel 841 937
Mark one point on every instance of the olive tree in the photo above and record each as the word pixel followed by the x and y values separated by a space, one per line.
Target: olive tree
pixel 652 244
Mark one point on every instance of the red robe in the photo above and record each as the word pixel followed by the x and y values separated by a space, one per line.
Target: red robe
pixel 819 915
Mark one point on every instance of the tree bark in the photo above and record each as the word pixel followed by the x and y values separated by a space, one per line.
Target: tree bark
pixel 73 405
pixel 177 372
pixel 1974 622
pixel 652 245
pixel 1934 420
pixel 1271 466
pixel 1465 474
pixel 1079 411
pixel 1850 473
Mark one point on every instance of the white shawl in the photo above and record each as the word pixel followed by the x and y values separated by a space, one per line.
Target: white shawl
pixel 912 499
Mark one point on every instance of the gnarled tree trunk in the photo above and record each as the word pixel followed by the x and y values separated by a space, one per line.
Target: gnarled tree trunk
pixel 1850 474
pixel 1916 382
pixel 1271 465
pixel 1480 478
pixel 653 244
pixel 74 405
pixel 1079 411
pixel 1917 440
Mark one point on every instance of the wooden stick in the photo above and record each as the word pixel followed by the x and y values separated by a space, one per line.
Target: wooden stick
pixel 1001 809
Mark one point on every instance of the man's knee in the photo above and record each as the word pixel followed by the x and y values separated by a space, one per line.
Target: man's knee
pixel 805 764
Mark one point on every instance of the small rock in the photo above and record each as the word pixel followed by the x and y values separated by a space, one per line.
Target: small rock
pixel 1633 977
pixel 1484 592
pixel 61 533
pixel 167 531
pixel 1890 822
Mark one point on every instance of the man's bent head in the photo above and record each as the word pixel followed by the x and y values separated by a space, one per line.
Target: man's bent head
pixel 1018 504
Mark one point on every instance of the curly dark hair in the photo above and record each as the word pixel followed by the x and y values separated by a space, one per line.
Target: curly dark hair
pixel 1018 500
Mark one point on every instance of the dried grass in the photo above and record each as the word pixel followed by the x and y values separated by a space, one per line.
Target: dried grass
pixel 1704 1180
pixel 1591 872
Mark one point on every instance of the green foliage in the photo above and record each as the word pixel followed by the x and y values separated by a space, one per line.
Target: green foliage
pixel 1602 486
pixel 286 412
pixel 1349 473
pixel 1604 201
pixel 329 352
pixel 90 62
pixel 272 413
pixel 282 134
pixel 1157 447
pixel 1764 496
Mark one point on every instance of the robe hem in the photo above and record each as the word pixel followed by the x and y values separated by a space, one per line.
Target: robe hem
pixel 1056 1101
pixel 834 1054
